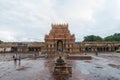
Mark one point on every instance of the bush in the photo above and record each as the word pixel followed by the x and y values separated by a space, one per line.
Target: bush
pixel 118 51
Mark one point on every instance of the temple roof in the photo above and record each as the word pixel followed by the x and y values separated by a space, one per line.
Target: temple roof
pixel 59 31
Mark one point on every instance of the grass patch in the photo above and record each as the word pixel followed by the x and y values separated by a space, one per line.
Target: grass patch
pixel 118 51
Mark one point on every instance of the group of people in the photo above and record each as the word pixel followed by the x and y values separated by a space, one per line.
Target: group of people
pixel 17 60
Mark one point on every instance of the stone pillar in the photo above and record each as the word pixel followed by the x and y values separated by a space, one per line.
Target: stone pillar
pixel 92 49
pixel 109 49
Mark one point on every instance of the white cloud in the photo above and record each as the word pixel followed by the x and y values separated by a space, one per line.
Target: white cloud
pixel 78 9
pixel 7 36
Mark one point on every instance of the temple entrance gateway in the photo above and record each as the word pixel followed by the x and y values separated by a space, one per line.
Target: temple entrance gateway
pixel 59 40
pixel 59 46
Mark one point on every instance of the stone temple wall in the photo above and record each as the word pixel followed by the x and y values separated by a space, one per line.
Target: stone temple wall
pixel 80 47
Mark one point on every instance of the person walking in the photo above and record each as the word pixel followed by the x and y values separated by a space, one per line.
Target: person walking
pixel 19 59
pixel 96 53
pixel 15 61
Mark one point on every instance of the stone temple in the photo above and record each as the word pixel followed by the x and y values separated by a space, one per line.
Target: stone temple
pixel 59 40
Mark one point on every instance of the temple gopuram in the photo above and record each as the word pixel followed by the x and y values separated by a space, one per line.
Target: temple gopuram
pixel 59 40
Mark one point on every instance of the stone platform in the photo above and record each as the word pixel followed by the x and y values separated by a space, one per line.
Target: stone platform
pixel 79 57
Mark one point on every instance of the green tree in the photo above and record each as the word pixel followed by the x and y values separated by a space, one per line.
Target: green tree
pixel 91 38
pixel 1 41
pixel 114 37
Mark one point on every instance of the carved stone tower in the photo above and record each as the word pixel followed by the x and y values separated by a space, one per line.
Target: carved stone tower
pixel 59 39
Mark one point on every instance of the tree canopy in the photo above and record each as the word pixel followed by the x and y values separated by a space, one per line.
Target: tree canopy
pixel 91 38
pixel 114 37
pixel 1 41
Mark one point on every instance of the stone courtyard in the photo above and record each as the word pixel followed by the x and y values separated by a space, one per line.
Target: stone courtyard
pixel 105 66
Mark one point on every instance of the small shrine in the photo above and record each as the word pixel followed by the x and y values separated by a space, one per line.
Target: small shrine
pixel 61 70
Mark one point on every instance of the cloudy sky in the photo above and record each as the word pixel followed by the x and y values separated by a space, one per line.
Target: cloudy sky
pixel 30 20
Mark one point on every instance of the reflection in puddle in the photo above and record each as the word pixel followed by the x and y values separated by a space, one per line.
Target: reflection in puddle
pixel 22 68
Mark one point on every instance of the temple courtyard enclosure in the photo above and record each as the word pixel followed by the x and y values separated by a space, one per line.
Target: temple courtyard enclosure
pixel 105 66
pixel 37 60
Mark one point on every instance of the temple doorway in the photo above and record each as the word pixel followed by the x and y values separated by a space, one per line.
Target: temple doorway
pixel 59 46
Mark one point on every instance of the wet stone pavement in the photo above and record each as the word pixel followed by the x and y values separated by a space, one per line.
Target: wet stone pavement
pixel 102 67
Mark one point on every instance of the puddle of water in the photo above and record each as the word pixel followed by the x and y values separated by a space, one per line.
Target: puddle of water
pixel 114 66
pixel 22 68
pixel 99 67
